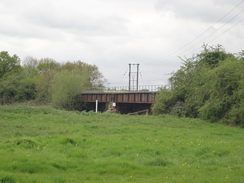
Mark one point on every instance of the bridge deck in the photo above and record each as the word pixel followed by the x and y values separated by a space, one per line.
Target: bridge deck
pixel 146 97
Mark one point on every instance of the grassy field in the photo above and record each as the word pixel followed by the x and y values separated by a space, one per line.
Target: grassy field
pixel 42 144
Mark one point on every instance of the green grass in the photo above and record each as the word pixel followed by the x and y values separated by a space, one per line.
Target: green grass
pixel 42 144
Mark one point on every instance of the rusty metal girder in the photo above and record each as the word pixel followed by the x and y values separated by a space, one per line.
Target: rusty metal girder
pixel 135 97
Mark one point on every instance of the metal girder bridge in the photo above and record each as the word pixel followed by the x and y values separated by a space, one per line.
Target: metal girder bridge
pixel 145 97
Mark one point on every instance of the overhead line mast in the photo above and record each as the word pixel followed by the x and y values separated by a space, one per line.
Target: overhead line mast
pixel 132 77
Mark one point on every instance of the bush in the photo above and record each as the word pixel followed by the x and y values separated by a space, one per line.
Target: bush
pixel 209 86
pixel 66 86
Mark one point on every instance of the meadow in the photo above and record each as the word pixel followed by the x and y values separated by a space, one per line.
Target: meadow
pixel 46 145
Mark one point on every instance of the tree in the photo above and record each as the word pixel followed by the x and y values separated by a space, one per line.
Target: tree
pixel 30 66
pixel 13 84
pixel 66 86
pixel 208 86
pixel 47 64
pixel 212 55
pixel 95 79
pixel 17 88
pixel 226 97
pixel 165 100
pixel 8 64
pixel 47 69
pixel 45 80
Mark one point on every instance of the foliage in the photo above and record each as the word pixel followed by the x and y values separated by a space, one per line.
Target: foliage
pixel 43 144
pixel 47 69
pixel 8 64
pixel 95 77
pixel 66 86
pixel 17 88
pixel 165 101
pixel 34 79
pixel 211 56
pixel 30 66
pixel 208 86
pixel 47 64
pixel 14 83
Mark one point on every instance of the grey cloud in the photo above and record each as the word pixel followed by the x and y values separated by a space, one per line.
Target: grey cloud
pixel 207 11
pixel 113 33
pixel 47 19
pixel 79 19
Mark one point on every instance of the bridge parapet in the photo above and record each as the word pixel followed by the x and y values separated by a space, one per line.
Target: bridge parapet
pixel 124 89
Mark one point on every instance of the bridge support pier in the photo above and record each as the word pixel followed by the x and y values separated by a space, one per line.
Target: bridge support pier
pixel 121 102
pixel 122 108
pixel 125 108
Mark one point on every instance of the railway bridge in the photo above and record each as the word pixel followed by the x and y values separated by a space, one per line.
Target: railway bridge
pixel 120 99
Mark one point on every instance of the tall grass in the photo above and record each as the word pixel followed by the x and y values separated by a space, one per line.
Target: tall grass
pixel 42 144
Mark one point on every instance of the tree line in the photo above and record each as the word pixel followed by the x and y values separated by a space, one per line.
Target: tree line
pixel 45 80
pixel 209 85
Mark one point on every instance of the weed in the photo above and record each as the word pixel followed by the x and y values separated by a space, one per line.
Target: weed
pixel 58 166
pixel 158 162
pixel 8 179
pixel 69 141
pixel 26 143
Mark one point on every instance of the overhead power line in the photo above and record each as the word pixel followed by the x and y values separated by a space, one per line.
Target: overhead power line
pixel 216 31
pixel 226 30
pixel 181 49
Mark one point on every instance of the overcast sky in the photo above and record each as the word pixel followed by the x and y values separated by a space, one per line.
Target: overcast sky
pixel 113 33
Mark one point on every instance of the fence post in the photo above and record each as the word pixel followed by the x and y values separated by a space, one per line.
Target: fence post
pixel 96 105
